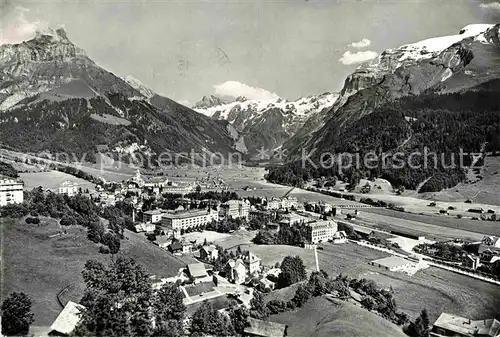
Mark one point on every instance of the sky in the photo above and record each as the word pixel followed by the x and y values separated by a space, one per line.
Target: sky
pixel 255 48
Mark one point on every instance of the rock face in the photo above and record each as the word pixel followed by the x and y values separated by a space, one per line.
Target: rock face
pixel 269 123
pixel 54 98
pixel 208 102
pixel 434 64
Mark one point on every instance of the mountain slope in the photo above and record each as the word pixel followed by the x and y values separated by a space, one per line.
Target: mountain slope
pixel 394 103
pixel 265 124
pixel 54 98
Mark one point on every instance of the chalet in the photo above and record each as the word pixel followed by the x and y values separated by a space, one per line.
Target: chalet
pixel 197 272
pixel 236 271
pixel 259 328
pixel 67 320
pixel 163 241
pixel 187 247
pixel 175 247
pixel 491 241
pixel 145 227
pixel 252 262
pixel 209 253
pixel 265 284
pixel 451 325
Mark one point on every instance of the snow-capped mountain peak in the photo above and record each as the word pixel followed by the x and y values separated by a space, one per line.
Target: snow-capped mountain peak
pixel 139 86
pixel 301 107
pixel 278 118
pixel 208 102
pixel 409 55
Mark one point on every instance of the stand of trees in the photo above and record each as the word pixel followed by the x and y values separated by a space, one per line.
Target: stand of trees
pixel 119 301
pixel 286 235
pixel 7 170
pixel 75 210
pixel 16 314
pixel 443 124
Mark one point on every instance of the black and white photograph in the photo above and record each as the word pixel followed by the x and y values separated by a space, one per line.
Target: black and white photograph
pixel 250 168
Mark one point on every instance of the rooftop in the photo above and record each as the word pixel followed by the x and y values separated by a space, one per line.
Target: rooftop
pixel 391 261
pixel 486 327
pixel 175 245
pixel 209 249
pixel 197 270
pixel 68 318
pixel 185 215
pixel 317 224
pixel 162 239
pixel 261 328
pixel 9 181
pixel 154 212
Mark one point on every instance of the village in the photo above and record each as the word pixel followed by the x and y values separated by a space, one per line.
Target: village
pixel 192 228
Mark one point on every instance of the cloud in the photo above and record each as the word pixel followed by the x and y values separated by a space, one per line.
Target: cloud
pixel 18 28
pixel 359 57
pixel 361 44
pixel 493 6
pixel 235 89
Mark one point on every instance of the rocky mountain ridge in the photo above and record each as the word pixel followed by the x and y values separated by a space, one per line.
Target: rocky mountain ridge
pixel 408 70
pixel 265 123
pixel 54 98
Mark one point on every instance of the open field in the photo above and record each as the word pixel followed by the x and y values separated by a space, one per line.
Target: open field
pixel 348 258
pixel 270 254
pixel 51 180
pixel 210 236
pixel 219 302
pixel 322 317
pixel 485 191
pixel 439 291
pixel 430 231
pixel 469 225
pixel 436 289
pixel 42 266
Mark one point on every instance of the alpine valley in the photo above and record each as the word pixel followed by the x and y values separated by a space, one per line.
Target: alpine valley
pixel 265 123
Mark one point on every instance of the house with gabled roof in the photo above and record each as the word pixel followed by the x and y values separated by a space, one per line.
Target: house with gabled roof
pixel 67 320
pixel 452 325
pixel 252 262
pixel 209 253
pixel 236 271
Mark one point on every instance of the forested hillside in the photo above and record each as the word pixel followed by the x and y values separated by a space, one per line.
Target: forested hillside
pixel 443 124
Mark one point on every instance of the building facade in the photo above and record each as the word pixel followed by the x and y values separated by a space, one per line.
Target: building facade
pixel 153 216
pixel 252 262
pixel 11 192
pixel 262 216
pixel 235 209
pixel 321 231
pixel 184 220
pixel 68 188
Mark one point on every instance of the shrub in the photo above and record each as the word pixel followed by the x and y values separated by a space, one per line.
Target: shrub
pixel 104 250
pixel 32 220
